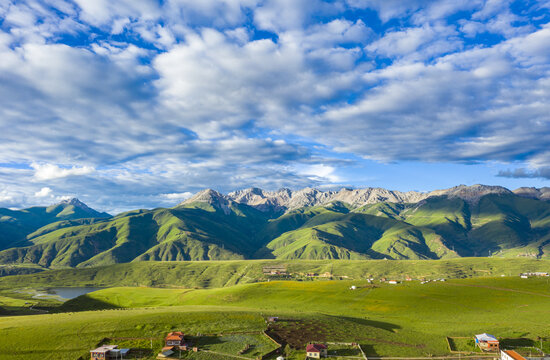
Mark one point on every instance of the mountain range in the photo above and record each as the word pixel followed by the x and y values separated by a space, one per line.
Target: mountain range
pixel 371 223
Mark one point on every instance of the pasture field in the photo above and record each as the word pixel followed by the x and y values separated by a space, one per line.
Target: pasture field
pixel 407 319
pixel 72 335
pixel 213 274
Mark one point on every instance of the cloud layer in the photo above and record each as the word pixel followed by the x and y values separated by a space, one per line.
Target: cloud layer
pixel 137 103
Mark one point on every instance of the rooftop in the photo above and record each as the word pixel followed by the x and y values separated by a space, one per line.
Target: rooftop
pixel 175 335
pixel 315 347
pixel 486 337
pixel 514 355
pixel 104 348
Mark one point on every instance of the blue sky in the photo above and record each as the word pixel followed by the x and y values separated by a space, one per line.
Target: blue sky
pixel 134 103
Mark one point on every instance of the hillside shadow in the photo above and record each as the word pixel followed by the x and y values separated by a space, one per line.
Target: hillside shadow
pixel 372 323
pixel 369 350
pixel 519 342
pixel 205 341
pixel 85 303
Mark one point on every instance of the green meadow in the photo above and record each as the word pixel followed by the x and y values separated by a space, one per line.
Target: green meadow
pixel 215 274
pixel 404 320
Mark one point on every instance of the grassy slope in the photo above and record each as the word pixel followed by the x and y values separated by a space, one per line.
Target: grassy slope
pixel 76 334
pixel 161 234
pixel 334 233
pixel 439 227
pixel 408 319
pixel 203 274
pixel 15 225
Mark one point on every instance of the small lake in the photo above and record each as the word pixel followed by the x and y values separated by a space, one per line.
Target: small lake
pixel 65 293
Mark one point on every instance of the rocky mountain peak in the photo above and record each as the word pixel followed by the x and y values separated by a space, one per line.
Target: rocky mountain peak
pixel 285 199
pixel 78 207
pixel 74 202
pixel 212 197
pixel 533 193
pixel 208 196
pixel 471 193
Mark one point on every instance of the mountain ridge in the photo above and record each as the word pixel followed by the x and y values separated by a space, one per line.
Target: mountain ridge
pixel 285 199
pixel 372 223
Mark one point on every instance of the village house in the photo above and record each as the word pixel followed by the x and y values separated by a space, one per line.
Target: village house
pixel 392 282
pixel 105 352
pixel 316 351
pixel 175 338
pixel 487 342
pixel 510 355
pixel 527 274
pixel 275 270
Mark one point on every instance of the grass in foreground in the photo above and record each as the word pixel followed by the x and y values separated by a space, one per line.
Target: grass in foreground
pixel 408 319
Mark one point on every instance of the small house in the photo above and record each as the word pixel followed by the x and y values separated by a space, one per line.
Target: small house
pixel 275 270
pixel 272 319
pixel 487 342
pixel 510 355
pixel 527 274
pixel 316 351
pixel 108 352
pixel 175 338
pixel 392 282
pixel 353 287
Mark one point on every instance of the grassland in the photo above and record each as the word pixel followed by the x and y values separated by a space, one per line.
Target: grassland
pixel 213 274
pixel 408 319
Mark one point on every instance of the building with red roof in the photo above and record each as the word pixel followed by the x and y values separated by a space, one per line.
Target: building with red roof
pixel 316 351
pixel 175 338
pixel 510 355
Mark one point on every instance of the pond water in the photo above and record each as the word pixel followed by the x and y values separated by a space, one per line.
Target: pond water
pixel 65 293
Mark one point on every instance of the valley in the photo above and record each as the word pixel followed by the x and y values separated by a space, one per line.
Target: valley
pixel 409 319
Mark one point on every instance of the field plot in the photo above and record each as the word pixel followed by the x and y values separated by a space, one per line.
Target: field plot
pixel 245 345
pixel 71 335
pixel 463 345
pixel 344 351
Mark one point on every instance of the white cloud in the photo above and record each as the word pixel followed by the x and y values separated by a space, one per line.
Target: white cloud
pixel 177 196
pixel 322 173
pixel 426 40
pixel 193 94
pixel 51 171
pixel 44 192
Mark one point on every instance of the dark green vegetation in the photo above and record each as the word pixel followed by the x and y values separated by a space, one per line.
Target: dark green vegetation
pixel 408 319
pixel 17 226
pixel 441 227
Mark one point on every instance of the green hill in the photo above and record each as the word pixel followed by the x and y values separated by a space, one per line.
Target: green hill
pixel 216 274
pixel 214 228
pixel 16 225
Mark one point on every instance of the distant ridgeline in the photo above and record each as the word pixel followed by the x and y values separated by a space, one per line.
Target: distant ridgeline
pixel 372 223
